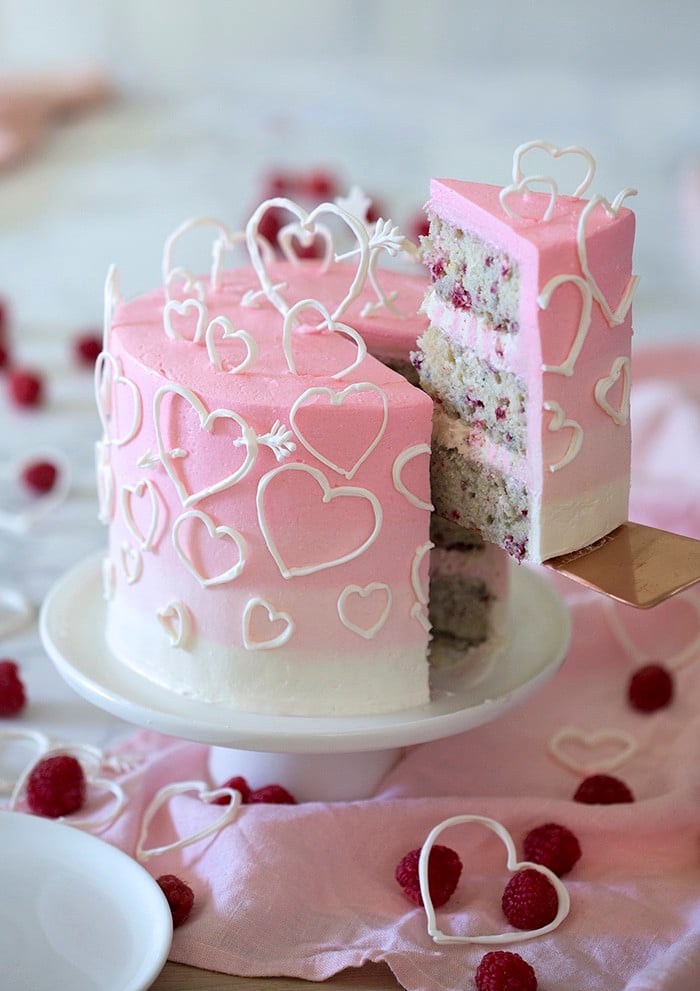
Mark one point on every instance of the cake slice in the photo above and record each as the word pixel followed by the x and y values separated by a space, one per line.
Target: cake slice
pixel 527 359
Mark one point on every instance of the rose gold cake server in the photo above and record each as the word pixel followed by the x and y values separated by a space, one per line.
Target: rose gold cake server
pixel 635 564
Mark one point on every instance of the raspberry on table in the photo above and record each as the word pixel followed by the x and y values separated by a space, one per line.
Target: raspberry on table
pixel 26 388
pixel 320 183
pixel 553 846
pixel 86 348
pixel 4 356
pixel 602 789
pixel 240 784
pixel 179 895
pixel 530 900
pixel 650 688
pixel 56 787
pixel 13 697
pixel 444 869
pixel 502 970
pixel 270 795
pixel 40 476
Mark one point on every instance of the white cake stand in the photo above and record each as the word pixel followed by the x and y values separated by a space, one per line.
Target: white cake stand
pixel 316 758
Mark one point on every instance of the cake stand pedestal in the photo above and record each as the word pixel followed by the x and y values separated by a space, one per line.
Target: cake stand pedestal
pixel 324 758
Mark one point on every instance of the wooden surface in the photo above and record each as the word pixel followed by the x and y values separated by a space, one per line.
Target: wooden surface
pixel 178 977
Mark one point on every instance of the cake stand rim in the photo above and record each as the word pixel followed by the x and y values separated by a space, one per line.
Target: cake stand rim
pixel 116 689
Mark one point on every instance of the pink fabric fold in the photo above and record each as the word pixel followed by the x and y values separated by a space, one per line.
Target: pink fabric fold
pixel 308 890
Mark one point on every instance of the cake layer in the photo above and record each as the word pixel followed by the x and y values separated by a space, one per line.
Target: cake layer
pixel 473 276
pixel 533 387
pixel 469 580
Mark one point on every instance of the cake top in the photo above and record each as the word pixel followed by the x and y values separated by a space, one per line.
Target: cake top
pixel 282 314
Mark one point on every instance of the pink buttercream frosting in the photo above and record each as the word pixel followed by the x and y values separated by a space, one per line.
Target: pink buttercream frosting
pixel 258 516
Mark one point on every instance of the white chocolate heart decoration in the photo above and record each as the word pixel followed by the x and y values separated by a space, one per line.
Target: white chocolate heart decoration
pixel 513 864
pixel 90 759
pixel 338 399
pixel 204 794
pixel 616 316
pixel 109 377
pixel 216 533
pixel 40 744
pixel 543 300
pixel 399 464
pixel 143 489
pixel 176 620
pixel 192 314
pixel 374 588
pixel 558 422
pixel 207 420
pixel 189 285
pixel 330 325
pixel 132 563
pixel 328 494
pixel 618 744
pixel 36 507
pixel 273 616
pixel 620 369
pixel 523 185
pixel 296 232
pixel 643 655
pixel 228 333
pixel 556 152
pixel 419 609
pixel 105 482
pixel 307 222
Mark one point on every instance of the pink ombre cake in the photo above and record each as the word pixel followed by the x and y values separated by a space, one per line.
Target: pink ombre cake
pixel 265 482
pixel 527 357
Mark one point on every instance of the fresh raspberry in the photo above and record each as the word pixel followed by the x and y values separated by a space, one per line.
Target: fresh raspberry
pixel 12 694
pixel 86 349
pixel 4 321
pixel 650 688
pixel 179 895
pixel 530 900
pixel 419 226
pixel 240 784
pixel 56 787
pixel 4 356
pixel 602 789
pixel 444 869
pixel 40 476
pixel 278 183
pixel 320 184
pixel 270 795
pixel 553 846
pixel 271 223
pixel 502 970
pixel 375 210
pixel 26 388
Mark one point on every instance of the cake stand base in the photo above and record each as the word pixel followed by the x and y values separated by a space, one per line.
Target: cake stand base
pixel 309 777
pixel 325 758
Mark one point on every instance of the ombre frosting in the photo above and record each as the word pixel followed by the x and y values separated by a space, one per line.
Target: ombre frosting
pixel 265 484
pixel 571 348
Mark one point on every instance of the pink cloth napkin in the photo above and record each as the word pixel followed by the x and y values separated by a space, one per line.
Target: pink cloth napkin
pixel 308 890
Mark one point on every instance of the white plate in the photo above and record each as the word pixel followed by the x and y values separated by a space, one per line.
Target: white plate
pixel 72 629
pixel 75 912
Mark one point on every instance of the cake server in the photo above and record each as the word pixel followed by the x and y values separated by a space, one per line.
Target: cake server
pixel 635 564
